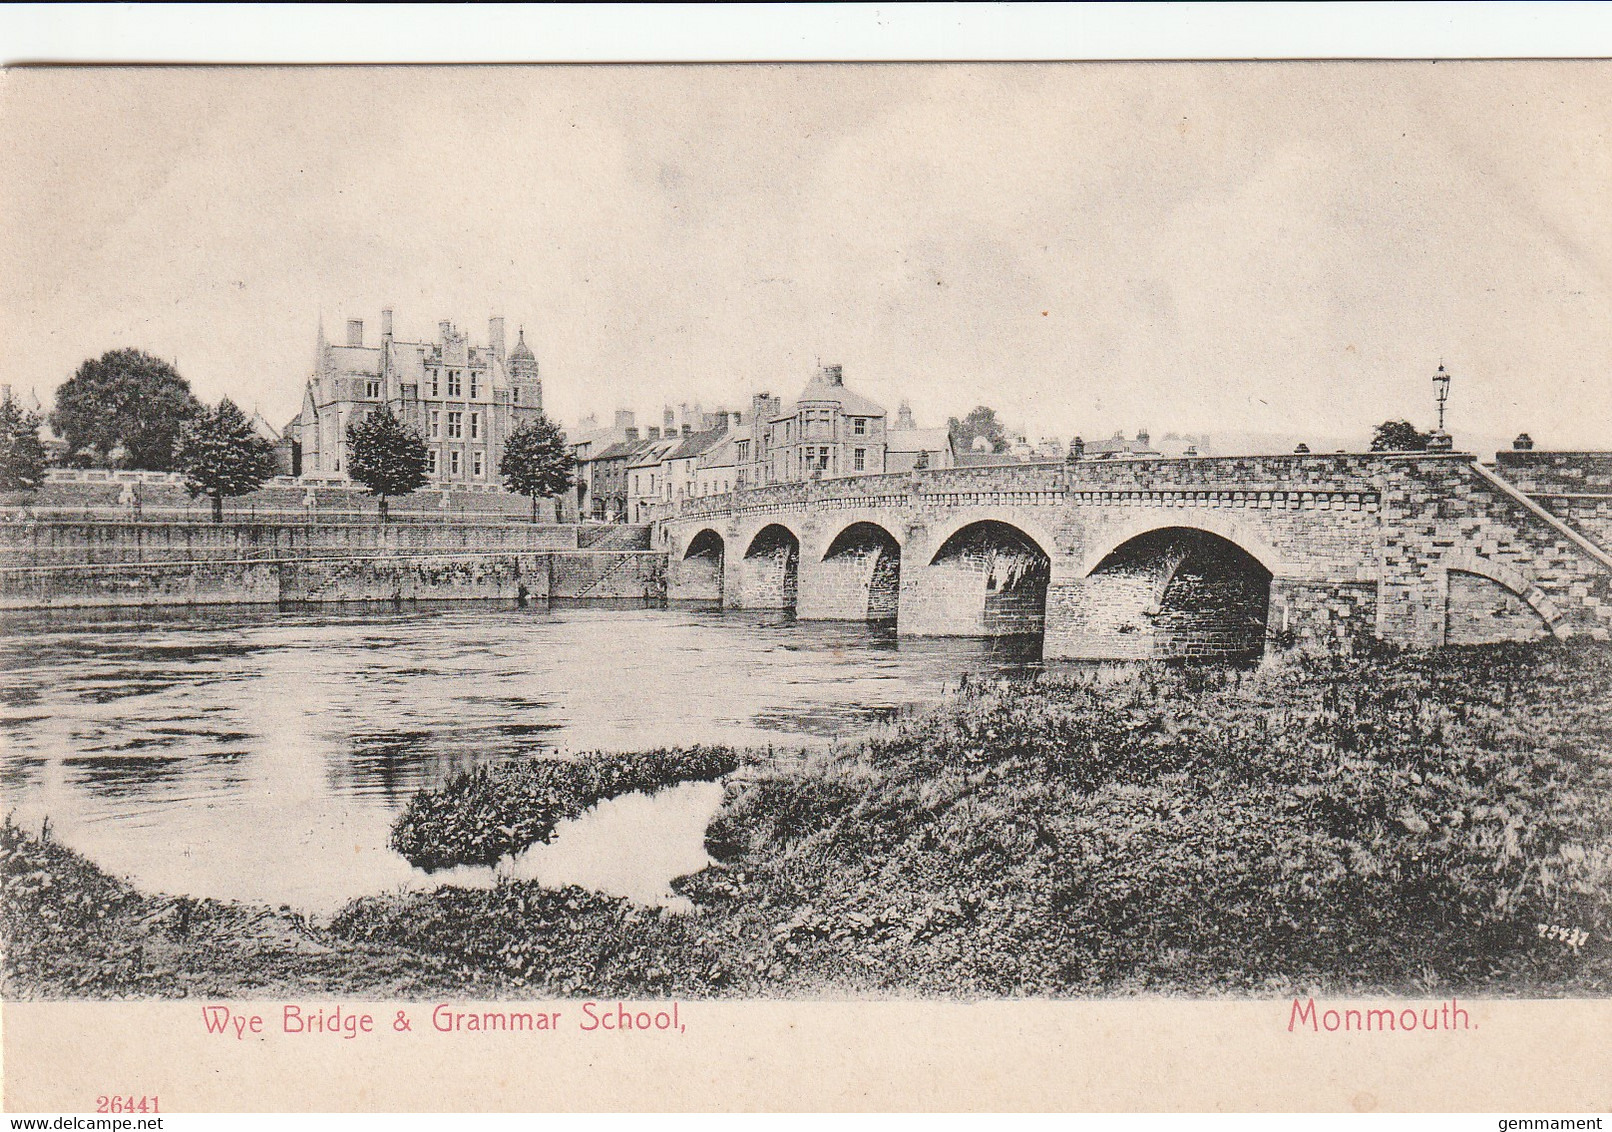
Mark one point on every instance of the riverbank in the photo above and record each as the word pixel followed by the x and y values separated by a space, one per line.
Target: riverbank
pixel 1400 824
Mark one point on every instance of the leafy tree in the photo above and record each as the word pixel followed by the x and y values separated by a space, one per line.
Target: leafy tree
pixel 125 406
pixel 1399 436
pixel 385 455
pixel 536 461
pixel 981 421
pixel 221 454
pixel 22 456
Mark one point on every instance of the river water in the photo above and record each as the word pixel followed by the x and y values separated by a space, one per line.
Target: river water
pixel 261 755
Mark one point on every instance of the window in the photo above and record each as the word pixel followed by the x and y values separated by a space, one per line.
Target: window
pixel 434 390
pixel 431 459
pixel 860 458
pixel 456 427
pixel 515 396
pixel 744 451
pixel 436 424
pixel 478 465
pixel 453 462
pixel 475 385
pixel 455 385
pixel 372 389
pixel 475 421
pixel 860 427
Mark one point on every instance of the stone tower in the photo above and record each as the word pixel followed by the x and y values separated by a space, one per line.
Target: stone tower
pixel 525 384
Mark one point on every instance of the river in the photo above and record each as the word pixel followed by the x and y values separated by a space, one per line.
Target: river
pixel 261 755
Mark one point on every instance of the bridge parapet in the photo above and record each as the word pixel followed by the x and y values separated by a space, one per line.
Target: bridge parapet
pixel 1223 478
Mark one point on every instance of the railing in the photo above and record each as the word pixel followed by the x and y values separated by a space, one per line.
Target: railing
pixel 1330 473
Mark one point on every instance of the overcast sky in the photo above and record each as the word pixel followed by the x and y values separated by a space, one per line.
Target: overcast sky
pixel 1289 248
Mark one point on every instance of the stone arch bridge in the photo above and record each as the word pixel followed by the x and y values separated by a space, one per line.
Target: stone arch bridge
pixel 1221 556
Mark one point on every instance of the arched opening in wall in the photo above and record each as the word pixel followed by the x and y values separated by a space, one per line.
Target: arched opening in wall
pixel 772 569
pixel 867 560
pixel 1009 567
pixel 1481 611
pixel 702 571
pixel 1195 593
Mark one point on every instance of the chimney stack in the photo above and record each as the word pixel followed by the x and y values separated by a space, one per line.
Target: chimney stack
pixel 668 420
pixel 624 419
pixel 654 432
pixel 688 429
pixel 355 332
pixel 386 325
pixel 495 337
pixel 444 328
pixel 834 375
pixel 632 433
pixel 1523 443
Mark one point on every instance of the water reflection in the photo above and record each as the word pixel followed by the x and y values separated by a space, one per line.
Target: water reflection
pixel 260 754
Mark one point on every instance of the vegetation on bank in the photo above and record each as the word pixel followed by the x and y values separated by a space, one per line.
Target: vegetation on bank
pixel 496 810
pixel 1402 824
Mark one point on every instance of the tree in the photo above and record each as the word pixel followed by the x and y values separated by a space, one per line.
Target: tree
pixel 980 421
pixel 125 406
pixel 22 456
pixel 385 455
pixel 536 462
pixel 221 454
pixel 1399 436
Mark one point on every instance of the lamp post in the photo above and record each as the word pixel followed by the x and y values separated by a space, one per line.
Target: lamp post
pixel 1440 440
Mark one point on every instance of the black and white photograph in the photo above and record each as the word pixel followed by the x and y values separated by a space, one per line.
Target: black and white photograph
pixel 560 548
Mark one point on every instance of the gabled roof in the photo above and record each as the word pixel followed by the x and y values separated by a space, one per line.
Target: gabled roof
pixel 655 452
pixel 620 449
pixel 821 391
pixel 696 443
pixel 917 440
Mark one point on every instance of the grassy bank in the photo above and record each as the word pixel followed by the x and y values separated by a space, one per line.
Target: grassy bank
pixel 1402 824
pixel 484 814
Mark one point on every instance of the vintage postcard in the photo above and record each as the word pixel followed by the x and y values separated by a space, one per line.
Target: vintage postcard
pixel 1019 586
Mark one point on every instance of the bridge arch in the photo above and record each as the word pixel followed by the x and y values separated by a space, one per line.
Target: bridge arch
pixel 1509 580
pixel 771 569
pixel 993 575
pixel 1027 526
pixel 697 574
pixel 1180 591
pixel 1215 523
pixel 858 577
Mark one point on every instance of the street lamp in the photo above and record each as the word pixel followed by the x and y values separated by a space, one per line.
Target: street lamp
pixel 1441 390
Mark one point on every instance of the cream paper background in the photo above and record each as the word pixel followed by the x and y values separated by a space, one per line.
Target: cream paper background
pixel 1118 1054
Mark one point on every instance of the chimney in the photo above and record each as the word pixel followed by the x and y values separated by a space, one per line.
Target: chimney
pixel 654 432
pixel 688 429
pixel 632 433
pixel 1077 450
pixel 668 420
pixel 386 325
pixel 733 420
pixel 834 375
pixel 762 408
pixel 1523 443
pixel 1142 437
pixel 495 337
pixel 624 419
pixel 904 416
pixel 355 332
pixel 444 328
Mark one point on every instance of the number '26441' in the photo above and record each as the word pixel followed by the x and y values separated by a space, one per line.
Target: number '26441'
pixel 129 1103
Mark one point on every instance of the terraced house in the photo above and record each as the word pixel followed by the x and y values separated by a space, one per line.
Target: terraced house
pixel 464 399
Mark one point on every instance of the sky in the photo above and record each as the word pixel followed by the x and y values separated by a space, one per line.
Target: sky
pixel 1286 248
